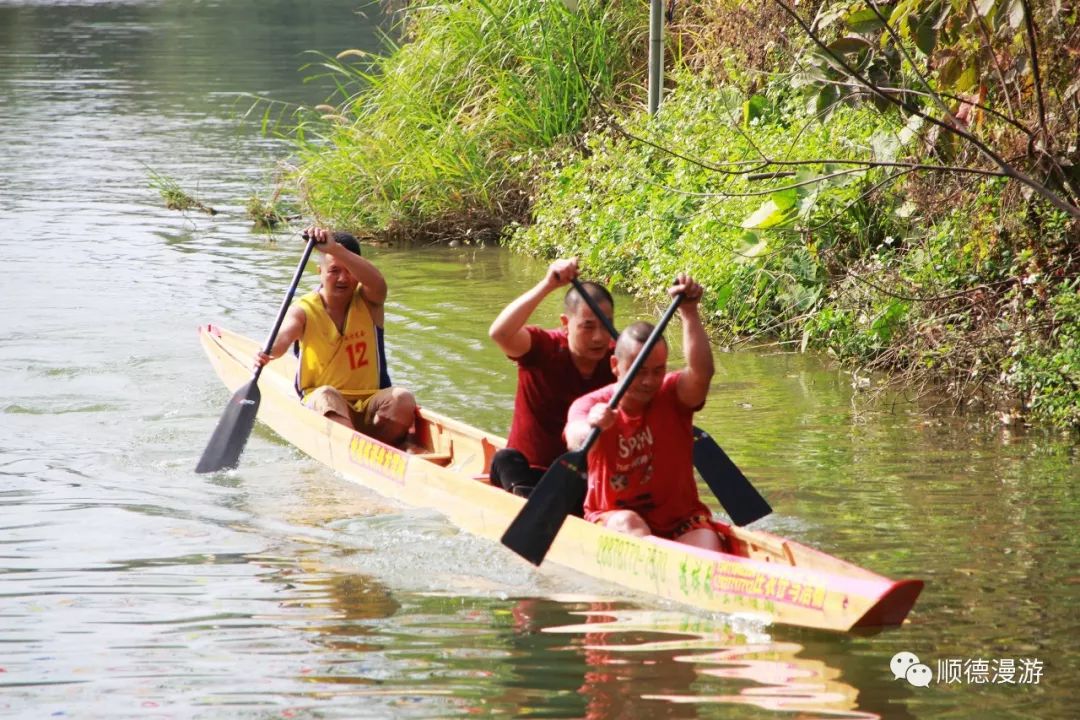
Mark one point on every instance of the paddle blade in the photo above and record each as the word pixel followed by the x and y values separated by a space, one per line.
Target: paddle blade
pixel 741 500
pixel 232 431
pixel 560 491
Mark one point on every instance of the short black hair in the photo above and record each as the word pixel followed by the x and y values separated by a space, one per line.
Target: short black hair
pixel 348 241
pixel 632 336
pixel 596 291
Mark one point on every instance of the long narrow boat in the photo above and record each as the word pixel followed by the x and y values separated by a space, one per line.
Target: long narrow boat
pixel 759 573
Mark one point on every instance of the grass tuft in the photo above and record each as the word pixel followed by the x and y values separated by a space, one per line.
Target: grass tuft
pixel 440 134
pixel 174 196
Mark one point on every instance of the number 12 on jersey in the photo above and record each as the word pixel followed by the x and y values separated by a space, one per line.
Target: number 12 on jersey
pixel 357 355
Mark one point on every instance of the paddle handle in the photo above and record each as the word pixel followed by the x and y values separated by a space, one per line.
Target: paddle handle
pixel 286 302
pixel 624 384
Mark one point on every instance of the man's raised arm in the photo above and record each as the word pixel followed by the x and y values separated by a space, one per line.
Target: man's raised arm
pixel 693 383
pixel 508 330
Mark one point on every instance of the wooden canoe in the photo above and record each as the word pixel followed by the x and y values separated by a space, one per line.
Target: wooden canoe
pixel 761 574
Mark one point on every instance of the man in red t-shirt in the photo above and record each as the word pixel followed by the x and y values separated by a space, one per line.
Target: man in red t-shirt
pixel 641 471
pixel 555 367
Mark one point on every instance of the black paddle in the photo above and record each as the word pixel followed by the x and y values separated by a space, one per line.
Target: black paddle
pixel 232 431
pixel 741 500
pixel 534 529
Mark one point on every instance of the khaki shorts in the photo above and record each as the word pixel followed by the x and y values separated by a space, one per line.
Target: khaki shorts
pixel 364 412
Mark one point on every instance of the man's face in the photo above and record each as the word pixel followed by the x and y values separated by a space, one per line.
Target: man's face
pixel 336 280
pixel 650 375
pixel 586 334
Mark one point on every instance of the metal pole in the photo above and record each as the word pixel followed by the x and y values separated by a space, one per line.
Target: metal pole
pixel 656 54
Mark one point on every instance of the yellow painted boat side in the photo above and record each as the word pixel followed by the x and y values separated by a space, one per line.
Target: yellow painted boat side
pixel 761 574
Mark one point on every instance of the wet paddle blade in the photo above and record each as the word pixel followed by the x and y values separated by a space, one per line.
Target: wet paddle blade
pixel 740 499
pixel 232 431
pixel 558 494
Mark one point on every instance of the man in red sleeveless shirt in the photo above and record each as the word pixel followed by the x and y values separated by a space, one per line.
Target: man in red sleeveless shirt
pixel 554 368
pixel 641 471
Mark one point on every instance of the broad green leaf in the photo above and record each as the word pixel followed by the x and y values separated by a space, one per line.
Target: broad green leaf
pixel 764 213
pixel 885 145
pixel 722 296
pixel 785 199
pixel 926 38
pixel 766 216
pixel 848 44
pixel 949 73
pixel 985 7
pixel 754 108
pixel 826 100
pixel 968 79
pixel 866 20
pixel 808 203
pixel 906 210
pixel 925 34
pixel 753 246
pixel 828 17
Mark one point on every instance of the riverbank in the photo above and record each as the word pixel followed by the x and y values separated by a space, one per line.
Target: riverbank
pixel 818 215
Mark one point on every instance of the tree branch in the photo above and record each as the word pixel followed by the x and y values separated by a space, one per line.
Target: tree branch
pixel 1006 169
pixel 1033 49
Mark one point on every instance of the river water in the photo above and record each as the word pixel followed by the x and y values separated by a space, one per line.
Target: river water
pixel 132 587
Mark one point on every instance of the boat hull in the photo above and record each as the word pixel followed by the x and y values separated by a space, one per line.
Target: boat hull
pixel 760 574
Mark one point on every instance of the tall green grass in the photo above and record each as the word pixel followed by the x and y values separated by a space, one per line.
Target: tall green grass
pixel 440 133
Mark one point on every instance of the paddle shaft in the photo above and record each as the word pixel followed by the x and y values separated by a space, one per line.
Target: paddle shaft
pixel 286 301
pixel 595 307
pixel 624 384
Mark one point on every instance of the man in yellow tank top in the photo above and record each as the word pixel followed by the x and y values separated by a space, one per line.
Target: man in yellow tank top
pixel 342 370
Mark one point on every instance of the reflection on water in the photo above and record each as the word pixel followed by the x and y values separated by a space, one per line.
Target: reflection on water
pixel 672 658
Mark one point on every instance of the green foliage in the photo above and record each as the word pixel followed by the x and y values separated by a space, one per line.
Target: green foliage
pixel 950 42
pixel 828 256
pixel 442 130
pixel 983 302
pixel 1046 371
pixel 637 215
pixel 1045 368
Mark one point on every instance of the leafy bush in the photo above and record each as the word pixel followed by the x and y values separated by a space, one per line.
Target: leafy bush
pixel 933 281
pixel 637 214
pixel 1045 368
